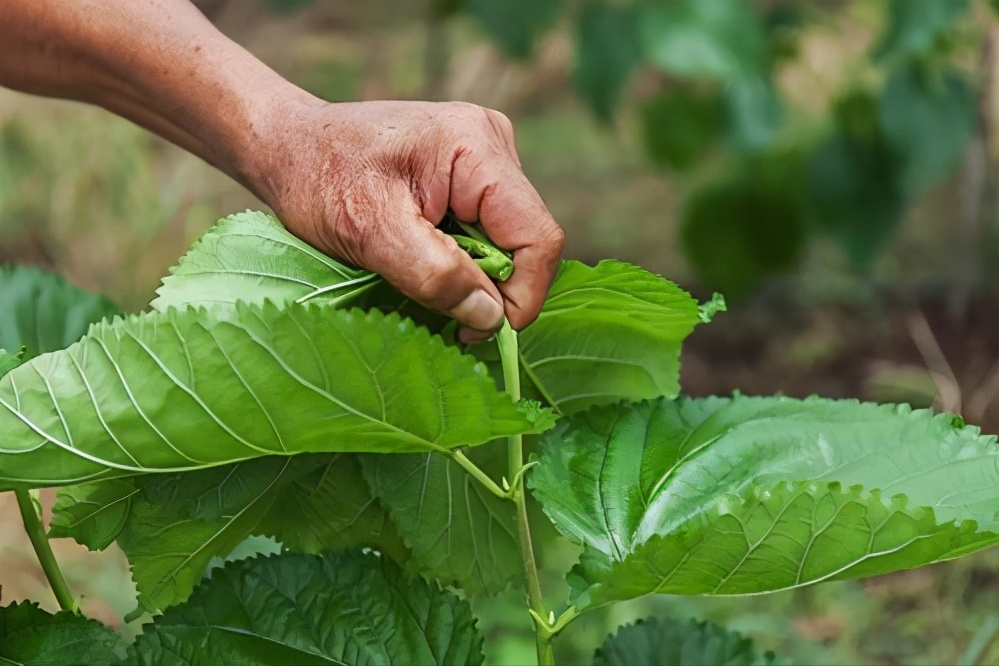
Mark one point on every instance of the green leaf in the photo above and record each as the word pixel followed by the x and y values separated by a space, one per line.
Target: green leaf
pixel 92 514
pixel 606 333
pixel 929 120
pixel 915 27
pixel 668 642
pixel 722 39
pixel 10 360
pixel 182 522
pixel 515 25
pixel 184 390
pixel 344 608
pixel 854 182
pixel 458 531
pixel 251 257
pixel 678 126
pixel 741 495
pixel 607 52
pixel 44 312
pixel 754 112
pixel 748 226
pixel 30 636
pixel 332 508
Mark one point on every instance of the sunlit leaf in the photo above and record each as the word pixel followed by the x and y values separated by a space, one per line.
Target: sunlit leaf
pixel 606 333
pixel 184 390
pixel 742 495
pixel 344 608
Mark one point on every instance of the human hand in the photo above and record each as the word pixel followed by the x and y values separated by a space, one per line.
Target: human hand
pixel 368 182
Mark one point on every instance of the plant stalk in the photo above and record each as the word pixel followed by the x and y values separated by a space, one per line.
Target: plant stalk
pixel 509 355
pixel 43 550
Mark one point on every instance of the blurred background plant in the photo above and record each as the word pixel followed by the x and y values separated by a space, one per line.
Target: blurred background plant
pixel 832 166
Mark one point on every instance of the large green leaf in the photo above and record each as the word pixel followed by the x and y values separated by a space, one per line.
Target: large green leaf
pixel 668 642
pixel 742 495
pixel 251 257
pixel 93 514
pixel 515 25
pixel 31 637
pixel 606 333
pixel 44 312
pixel 606 53
pixel 916 26
pixel 184 390
pixel 929 120
pixel 458 531
pixel 342 608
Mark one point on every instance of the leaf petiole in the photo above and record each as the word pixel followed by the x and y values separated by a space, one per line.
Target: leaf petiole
pixel 31 516
pixel 476 472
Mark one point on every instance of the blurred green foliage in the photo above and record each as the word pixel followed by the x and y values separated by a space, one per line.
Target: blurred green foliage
pixel 709 71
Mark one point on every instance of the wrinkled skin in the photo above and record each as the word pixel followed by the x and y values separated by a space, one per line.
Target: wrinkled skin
pixel 365 182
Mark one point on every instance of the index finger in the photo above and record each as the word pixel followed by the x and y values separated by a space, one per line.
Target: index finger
pixel 498 196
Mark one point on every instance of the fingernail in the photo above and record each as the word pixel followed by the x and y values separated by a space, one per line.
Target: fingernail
pixel 470 336
pixel 479 311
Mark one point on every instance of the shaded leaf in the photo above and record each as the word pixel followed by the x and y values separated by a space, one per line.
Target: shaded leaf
pixel 332 508
pixel 44 312
pixel 929 121
pixel 723 39
pixel 515 25
pixel 606 333
pixel 185 390
pixel 344 608
pixel 458 531
pixel 309 502
pixel 741 495
pixel 30 636
pixel 854 184
pixel 748 226
pixel 668 642
pixel 678 126
pixel 916 26
pixel 607 52
pixel 92 514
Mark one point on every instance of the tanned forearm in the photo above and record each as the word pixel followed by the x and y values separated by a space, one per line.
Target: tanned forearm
pixel 159 63
pixel 365 182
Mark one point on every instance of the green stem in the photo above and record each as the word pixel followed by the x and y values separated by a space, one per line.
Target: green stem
pixel 40 542
pixel 478 474
pixel 509 355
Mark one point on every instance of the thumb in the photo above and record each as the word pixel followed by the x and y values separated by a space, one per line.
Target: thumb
pixel 428 266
